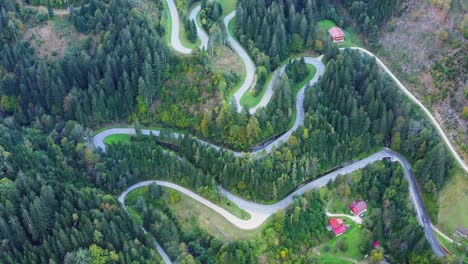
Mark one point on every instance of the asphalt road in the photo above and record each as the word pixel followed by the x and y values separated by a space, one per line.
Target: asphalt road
pixel 249 65
pixel 421 105
pixel 260 212
pixel 202 35
pixel 175 29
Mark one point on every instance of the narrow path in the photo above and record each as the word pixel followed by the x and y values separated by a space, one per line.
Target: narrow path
pixel 441 234
pixel 356 219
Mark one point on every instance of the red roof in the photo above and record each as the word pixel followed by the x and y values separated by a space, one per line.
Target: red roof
pixel 335 222
pixel 339 230
pixel 358 207
pixel 336 32
pixel 376 244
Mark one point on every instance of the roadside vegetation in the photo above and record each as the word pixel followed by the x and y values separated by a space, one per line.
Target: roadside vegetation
pixel 58 194
pixel 190 212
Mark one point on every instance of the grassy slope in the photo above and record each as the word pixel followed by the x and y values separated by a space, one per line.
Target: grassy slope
pixel 453 201
pixel 117 138
pixel 449 246
pixel 351 38
pixel 224 203
pixel 188 210
pixel 352 236
pixel 228 6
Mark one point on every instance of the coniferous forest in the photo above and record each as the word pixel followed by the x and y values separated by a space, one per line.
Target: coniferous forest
pixel 58 194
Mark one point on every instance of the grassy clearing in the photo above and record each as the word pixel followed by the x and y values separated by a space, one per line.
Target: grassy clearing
pixel 450 247
pixel 352 237
pixel 249 100
pixel 187 210
pixel 351 39
pixel 224 203
pixel 453 201
pixel 117 138
pixel 227 5
pixel 339 205
pixel 332 260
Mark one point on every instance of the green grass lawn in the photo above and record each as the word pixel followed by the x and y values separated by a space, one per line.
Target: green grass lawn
pixel 328 259
pixel 351 38
pixel 352 237
pixel 117 138
pixel 224 203
pixel 450 247
pixel 339 206
pixel 187 209
pixel 227 5
pixel 453 201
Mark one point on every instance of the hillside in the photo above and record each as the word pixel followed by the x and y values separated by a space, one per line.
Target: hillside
pixel 425 45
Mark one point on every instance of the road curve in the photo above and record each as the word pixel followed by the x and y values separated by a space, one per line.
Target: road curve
pixel 175 29
pixel 260 212
pixel 200 31
pixel 98 139
pixel 415 100
pixel 249 65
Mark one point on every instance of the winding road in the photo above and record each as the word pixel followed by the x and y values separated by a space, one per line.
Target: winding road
pixel 259 212
pixel 202 35
pixel 249 65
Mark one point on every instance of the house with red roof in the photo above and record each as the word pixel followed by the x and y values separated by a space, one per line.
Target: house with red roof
pixel 376 244
pixel 358 207
pixel 336 34
pixel 337 225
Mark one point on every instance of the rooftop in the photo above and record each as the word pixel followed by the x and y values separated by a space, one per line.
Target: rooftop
pixel 335 222
pixel 358 207
pixel 336 32
pixel 339 230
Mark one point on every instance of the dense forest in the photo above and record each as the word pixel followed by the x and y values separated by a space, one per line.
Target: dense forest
pixel 390 218
pixel 49 213
pixel 368 16
pixel 351 111
pixel 271 29
pixel 57 194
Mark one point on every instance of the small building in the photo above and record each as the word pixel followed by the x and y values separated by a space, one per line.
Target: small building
pixel 336 34
pixel 376 244
pixel 337 225
pixel 461 232
pixel 358 207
